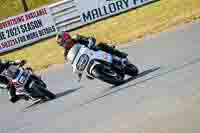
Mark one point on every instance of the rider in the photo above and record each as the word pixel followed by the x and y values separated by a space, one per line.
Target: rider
pixel 65 40
pixel 7 69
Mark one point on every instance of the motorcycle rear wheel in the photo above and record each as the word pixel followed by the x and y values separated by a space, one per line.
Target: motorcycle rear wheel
pixel 131 70
pixel 112 78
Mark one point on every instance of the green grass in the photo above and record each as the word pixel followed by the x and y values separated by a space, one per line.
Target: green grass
pixel 15 7
pixel 120 29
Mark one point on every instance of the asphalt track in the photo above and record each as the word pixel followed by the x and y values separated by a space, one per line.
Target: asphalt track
pixel 164 98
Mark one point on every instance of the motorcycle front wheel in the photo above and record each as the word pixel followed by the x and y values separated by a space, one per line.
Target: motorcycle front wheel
pixel 47 93
pixel 40 88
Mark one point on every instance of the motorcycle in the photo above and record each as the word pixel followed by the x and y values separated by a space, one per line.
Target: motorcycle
pixel 95 63
pixel 28 84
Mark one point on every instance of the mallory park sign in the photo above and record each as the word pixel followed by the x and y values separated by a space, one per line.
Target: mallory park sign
pixel 93 10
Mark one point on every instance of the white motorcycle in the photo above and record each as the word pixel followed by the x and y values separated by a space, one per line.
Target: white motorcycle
pixel 27 83
pixel 95 63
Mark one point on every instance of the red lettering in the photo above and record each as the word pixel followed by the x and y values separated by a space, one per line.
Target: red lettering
pixel 45 11
pixel 8 44
pixel 35 14
pixel 11 22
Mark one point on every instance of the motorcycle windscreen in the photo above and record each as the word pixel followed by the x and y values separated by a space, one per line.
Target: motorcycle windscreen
pixel 73 53
pixel 21 76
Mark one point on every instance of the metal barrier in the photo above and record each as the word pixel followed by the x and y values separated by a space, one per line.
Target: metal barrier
pixel 66 15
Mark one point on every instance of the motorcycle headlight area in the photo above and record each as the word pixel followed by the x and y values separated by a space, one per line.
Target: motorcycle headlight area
pixel 82 62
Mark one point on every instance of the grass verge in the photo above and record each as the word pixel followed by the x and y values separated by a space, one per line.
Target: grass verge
pixel 15 7
pixel 120 29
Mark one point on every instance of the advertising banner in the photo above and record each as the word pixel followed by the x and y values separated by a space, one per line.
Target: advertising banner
pixel 26 28
pixel 93 10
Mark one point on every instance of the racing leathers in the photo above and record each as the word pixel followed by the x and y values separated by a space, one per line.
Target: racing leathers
pixel 90 42
pixel 7 71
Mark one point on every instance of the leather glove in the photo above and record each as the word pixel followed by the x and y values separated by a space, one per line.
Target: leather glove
pixel 23 62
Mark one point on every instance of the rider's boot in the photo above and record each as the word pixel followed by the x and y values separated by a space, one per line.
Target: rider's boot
pixel 43 99
pixel 89 77
pixel 118 62
pixel 23 96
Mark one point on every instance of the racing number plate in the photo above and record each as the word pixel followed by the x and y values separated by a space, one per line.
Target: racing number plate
pixel 82 62
pixel 22 78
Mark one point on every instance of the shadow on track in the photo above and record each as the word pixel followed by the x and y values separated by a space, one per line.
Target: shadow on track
pixel 58 95
pixel 173 69
pixel 126 81
pixel 111 89
pixel 136 77
pixel 67 92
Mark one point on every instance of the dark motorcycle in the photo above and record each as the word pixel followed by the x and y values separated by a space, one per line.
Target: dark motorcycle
pixel 27 83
